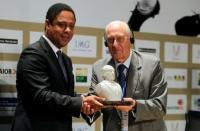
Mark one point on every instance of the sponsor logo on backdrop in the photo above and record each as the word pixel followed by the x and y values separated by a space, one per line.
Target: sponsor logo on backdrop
pixel 176 104
pixel 176 78
pixel 196 78
pixel 82 46
pixel 179 52
pixel 82 74
pixel 148 46
pixel 176 51
pixel 196 53
pixel 8 41
pixel 195 102
pixel 11 41
pixel 8 72
pixel 147 50
pixel 8 102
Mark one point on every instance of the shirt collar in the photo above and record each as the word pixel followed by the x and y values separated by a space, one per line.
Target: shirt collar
pixel 54 48
pixel 127 62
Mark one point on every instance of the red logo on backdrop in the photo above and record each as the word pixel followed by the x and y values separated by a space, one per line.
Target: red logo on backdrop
pixel 180 103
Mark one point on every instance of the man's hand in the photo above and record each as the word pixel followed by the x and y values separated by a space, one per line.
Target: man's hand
pixel 127 108
pixel 91 104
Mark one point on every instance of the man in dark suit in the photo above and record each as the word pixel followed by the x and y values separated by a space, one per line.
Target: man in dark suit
pixel 45 82
pixel 143 85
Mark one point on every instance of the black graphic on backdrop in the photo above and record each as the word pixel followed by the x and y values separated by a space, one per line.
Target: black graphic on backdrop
pixel 188 25
pixel 144 9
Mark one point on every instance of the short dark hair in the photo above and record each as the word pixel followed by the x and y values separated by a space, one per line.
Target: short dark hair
pixel 55 9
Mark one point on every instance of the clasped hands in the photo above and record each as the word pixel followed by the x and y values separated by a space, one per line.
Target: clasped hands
pixel 94 103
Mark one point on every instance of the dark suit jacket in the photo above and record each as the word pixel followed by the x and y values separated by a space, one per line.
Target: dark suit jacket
pixel 46 101
pixel 146 84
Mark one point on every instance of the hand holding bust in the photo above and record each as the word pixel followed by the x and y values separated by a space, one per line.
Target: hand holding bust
pixel 108 88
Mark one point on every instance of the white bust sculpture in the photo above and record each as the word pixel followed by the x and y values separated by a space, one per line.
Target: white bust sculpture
pixel 108 88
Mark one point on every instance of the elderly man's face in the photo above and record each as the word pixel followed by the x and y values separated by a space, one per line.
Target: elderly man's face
pixel 118 42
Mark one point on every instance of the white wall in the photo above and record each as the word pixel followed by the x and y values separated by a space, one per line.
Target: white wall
pixel 97 13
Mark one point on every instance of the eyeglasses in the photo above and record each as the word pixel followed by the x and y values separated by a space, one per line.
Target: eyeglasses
pixel 118 39
pixel 64 25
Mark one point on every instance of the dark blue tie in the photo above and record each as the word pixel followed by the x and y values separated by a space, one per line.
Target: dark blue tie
pixel 60 60
pixel 122 81
pixel 122 77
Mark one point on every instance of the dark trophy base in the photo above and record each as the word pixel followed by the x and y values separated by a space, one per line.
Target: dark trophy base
pixel 117 103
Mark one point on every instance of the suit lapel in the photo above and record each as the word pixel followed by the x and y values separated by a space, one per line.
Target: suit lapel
pixel 68 68
pixel 133 75
pixel 52 55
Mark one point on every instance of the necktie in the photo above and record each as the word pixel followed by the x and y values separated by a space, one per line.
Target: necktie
pixel 122 81
pixel 122 77
pixel 60 60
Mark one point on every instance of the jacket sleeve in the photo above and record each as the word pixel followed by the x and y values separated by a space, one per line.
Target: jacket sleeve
pixel 153 105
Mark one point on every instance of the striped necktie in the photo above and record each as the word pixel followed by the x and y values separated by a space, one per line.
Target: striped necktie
pixel 60 60
pixel 122 77
pixel 122 81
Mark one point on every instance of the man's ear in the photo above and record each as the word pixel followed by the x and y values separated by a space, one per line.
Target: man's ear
pixel 47 23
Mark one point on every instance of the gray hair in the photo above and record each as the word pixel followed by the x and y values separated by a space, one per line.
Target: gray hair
pixel 123 23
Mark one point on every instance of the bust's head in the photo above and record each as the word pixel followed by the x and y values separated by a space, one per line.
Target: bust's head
pixel 108 73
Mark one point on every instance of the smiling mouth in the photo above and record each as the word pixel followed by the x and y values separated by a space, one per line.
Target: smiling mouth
pixel 65 38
